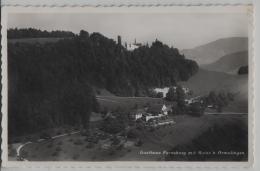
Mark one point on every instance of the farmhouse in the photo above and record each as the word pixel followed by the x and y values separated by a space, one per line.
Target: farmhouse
pixel 137 114
pixel 155 111
pixel 166 89
pixel 193 100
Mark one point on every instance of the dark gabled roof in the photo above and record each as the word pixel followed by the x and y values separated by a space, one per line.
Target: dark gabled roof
pixel 155 109
pixel 136 111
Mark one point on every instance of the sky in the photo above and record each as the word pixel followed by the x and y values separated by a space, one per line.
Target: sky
pixel 180 30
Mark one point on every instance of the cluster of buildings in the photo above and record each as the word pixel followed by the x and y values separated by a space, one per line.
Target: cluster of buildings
pixel 128 46
pixel 155 115
pixel 166 89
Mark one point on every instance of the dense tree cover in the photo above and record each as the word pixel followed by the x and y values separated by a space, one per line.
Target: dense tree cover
pixel 50 84
pixel 225 137
pixel 171 94
pixel 243 70
pixel 35 33
pixel 218 100
pixel 177 95
pixel 115 123
pixel 196 109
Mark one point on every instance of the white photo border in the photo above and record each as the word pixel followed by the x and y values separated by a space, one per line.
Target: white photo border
pixel 140 9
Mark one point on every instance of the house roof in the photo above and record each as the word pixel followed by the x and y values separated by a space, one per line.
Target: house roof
pixel 136 111
pixel 155 109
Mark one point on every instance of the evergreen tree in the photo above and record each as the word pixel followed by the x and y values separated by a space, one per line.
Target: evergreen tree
pixel 171 94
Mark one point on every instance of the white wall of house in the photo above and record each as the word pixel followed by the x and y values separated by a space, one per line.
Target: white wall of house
pixel 138 115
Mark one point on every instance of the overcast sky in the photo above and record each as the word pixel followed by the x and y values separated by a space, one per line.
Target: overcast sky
pixel 178 30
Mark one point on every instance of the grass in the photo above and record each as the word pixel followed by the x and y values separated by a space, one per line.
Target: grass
pixel 60 143
pixel 78 142
pixel 112 103
pixel 215 139
pixel 185 130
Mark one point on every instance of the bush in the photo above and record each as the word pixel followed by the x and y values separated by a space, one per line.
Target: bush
pixel 55 153
pixel 120 147
pixel 196 109
pixel 113 125
pixel 58 149
pixel 75 156
pixel 243 70
pixel 111 152
pixel 89 145
pixel 115 141
pixel 159 95
pixel 84 133
pixel 58 133
pixel 45 135
pixel 50 145
pixel 132 133
pixel 139 143
pixel 78 142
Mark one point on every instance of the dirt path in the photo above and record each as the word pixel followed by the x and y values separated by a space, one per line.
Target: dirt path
pixel 165 138
pixel 20 146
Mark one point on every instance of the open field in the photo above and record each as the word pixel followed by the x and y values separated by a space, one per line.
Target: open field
pixel 127 103
pixel 186 130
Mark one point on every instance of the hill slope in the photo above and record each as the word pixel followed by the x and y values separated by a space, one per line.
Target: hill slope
pixel 229 63
pixel 213 51
pixel 205 81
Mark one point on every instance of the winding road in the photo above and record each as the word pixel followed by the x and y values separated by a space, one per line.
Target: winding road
pixel 19 148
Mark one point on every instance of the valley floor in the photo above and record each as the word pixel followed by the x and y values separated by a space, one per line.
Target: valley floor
pixel 155 142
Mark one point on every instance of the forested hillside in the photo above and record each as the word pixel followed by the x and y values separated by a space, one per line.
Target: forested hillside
pixel 35 33
pixel 51 84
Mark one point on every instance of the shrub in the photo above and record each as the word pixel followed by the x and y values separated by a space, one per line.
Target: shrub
pixel 115 141
pixel 78 142
pixel 120 147
pixel 58 149
pixel 50 145
pixel 45 135
pixel 139 143
pixel 89 145
pixel 132 133
pixel 58 133
pixel 75 156
pixel 55 153
pixel 111 152
pixel 196 109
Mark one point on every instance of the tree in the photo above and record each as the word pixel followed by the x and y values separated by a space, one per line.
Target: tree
pixel 212 98
pixel 84 34
pixel 196 109
pixel 220 100
pixel 159 95
pixel 243 70
pixel 77 103
pixel 180 95
pixel 152 93
pixel 48 80
pixel 171 95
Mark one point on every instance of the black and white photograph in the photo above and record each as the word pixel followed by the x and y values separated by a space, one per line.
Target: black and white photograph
pixel 129 86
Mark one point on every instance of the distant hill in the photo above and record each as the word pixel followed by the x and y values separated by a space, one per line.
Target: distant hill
pixel 229 63
pixel 213 51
